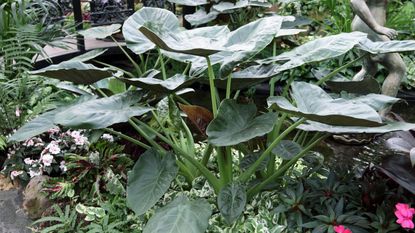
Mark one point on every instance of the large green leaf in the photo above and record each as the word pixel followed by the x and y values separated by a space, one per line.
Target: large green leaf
pixel 394 46
pixel 101 113
pixel 190 2
pixel 177 42
pixel 316 105
pixel 149 180
pixel 44 122
pixel 155 18
pixel 376 101
pixel 287 149
pixel 75 71
pixel 179 216
pixel 201 17
pixel 236 123
pixel 172 84
pixel 34 127
pixel 89 55
pixel 388 127
pixel 101 32
pixel 228 7
pixel 232 201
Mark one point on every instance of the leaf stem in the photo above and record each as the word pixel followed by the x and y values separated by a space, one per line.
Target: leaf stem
pixel 212 87
pixel 128 138
pixel 336 71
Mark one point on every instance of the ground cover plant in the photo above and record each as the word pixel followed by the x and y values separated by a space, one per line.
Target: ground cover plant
pixel 206 167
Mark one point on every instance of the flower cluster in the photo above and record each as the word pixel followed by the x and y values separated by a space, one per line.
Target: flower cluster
pixel 404 214
pixel 341 229
pixel 45 154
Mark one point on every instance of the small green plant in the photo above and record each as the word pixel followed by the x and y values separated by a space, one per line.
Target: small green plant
pixel 63 221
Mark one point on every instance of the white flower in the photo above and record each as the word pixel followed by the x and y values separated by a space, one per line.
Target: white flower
pixel 28 161
pixel 107 137
pixel 14 174
pixel 34 173
pixel 63 167
pixel 47 159
pixel 29 142
pixel 81 140
pixel 54 130
pixel 53 148
pixel 76 134
pixel 17 112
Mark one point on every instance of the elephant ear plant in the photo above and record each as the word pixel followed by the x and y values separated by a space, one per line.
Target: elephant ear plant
pixel 269 142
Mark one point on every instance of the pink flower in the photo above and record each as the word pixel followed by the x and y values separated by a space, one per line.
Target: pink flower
pixel 53 148
pixel 341 229
pixel 47 159
pixel 404 214
pixel 14 174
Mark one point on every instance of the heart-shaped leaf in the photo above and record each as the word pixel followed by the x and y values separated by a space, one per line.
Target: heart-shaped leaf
pixel 149 180
pixel 250 159
pixel 101 113
pixel 101 32
pixel 181 215
pixel 75 71
pixel 287 149
pixel 236 123
pixel 316 105
pixel 399 169
pixel 155 18
pixel 232 201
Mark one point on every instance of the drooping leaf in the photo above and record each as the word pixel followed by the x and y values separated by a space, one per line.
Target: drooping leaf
pixel 388 127
pixel 101 113
pixel 190 2
pixel 394 46
pixel 101 32
pixel 316 105
pixel 155 18
pixel 71 87
pixel 287 149
pixel 201 17
pixel 45 121
pixel 399 169
pixel 75 71
pixel 35 127
pixel 199 116
pixel 232 201
pixel 172 84
pixel 376 101
pixel 149 180
pixel 181 215
pixel 399 144
pixel 236 123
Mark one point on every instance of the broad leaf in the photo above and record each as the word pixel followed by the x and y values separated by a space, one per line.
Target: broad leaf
pixel 101 113
pixel 180 43
pixel 155 18
pixel 394 46
pixel 201 17
pixel 179 216
pixel 228 7
pixel 236 123
pixel 388 127
pixel 89 55
pixel 376 101
pixel 287 149
pixel 44 122
pixel 399 169
pixel 250 159
pixel 75 71
pixel 316 105
pixel 189 2
pixel 101 32
pixel 172 84
pixel 232 201
pixel 149 180
pixel 289 32
pixel 35 127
